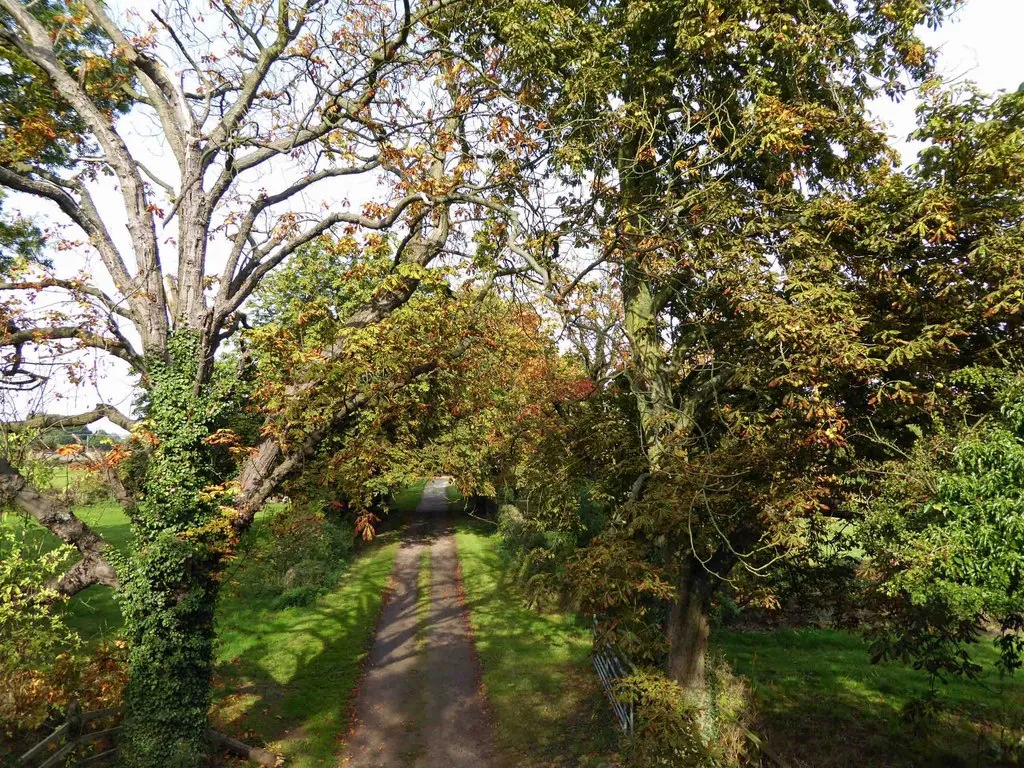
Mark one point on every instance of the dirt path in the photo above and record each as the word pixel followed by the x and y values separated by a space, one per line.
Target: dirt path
pixel 419 704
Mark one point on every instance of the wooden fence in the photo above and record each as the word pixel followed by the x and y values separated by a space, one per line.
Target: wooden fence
pixel 61 747
pixel 66 745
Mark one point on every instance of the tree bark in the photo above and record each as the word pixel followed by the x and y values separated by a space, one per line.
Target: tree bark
pixel 650 384
pixel 47 420
pixel 170 586
pixel 689 627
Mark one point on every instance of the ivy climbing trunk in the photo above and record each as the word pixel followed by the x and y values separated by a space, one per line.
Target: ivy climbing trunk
pixel 169 585
pixel 171 631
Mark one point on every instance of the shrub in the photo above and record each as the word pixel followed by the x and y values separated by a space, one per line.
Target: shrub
pixel 40 669
pixel 294 558
pixel 84 488
pixel 725 611
pixel 943 537
pixel 675 728
pixel 538 555
pixel 519 534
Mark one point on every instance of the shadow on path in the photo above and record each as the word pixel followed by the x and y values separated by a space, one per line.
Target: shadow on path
pixel 420 703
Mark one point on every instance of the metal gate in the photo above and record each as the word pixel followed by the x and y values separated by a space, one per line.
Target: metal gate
pixel 612 666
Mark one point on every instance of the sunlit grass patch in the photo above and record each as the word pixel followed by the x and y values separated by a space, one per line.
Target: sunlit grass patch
pixel 823 703
pixel 286 678
pixel 546 701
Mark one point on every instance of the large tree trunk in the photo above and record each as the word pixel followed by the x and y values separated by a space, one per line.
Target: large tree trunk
pixel 688 628
pixel 649 383
pixel 169 587
pixel 169 610
pixel 659 412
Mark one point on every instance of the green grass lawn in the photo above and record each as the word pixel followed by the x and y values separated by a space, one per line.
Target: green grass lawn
pixel 94 613
pixel 823 704
pixel 819 699
pixel 547 703
pixel 286 678
pixel 407 499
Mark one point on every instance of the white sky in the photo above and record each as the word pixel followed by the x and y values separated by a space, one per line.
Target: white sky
pixel 982 42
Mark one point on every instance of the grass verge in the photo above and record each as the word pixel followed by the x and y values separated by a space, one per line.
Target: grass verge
pixel 286 678
pixel 407 498
pixel 548 706
pixel 823 704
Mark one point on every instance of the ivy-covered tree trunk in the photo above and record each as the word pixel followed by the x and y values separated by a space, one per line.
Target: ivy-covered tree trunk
pixel 170 626
pixel 169 586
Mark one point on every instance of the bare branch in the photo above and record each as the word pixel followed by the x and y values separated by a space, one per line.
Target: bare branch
pixel 73 286
pixel 335 107
pixel 14 338
pixel 269 54
pixel 165 186
pixel 512 242
pixel 93 568
pixel 83 213
pixel 248 278
pixel 262 203
pixel 83 574
pixel 165 96
pixel 36 45
pixel 47 420
pixel 564 292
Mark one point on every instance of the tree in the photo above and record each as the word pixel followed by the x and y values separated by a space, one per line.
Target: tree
pixel 934 255
pixel 696 135
pixel 889 407
pixel 494 387
pixel 943 537
pixel 262 108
